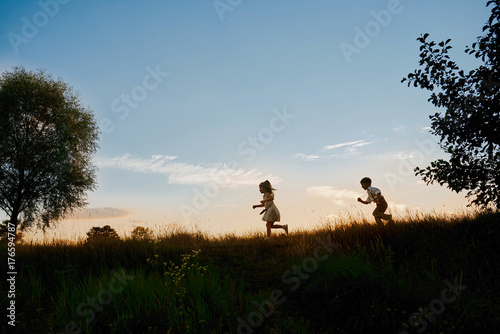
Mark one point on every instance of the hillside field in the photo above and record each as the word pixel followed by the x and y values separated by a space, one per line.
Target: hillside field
pixel 426 274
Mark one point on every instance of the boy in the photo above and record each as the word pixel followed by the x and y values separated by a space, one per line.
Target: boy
pixel 374 195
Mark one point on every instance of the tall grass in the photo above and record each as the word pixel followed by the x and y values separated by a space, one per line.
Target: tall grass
pixel 344 276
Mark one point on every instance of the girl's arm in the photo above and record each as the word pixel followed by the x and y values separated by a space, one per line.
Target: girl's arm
pixel 270 197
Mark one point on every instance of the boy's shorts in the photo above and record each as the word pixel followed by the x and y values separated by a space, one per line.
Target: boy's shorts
pixel 381 207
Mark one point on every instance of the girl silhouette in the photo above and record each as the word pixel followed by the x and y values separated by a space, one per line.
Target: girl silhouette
pixel 271 212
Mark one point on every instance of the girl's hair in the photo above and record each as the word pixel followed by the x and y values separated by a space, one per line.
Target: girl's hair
pixel 266 185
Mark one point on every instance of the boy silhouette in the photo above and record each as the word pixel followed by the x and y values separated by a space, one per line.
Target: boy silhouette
pixel 375 195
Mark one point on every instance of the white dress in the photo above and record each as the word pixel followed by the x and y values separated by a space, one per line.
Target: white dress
pixel 272 214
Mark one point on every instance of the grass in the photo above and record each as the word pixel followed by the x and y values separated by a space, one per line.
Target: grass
pixel 345 276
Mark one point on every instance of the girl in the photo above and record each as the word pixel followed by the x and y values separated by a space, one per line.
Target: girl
pixel 272 214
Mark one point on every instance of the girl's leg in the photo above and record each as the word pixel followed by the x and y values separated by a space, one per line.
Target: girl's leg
pixel 271 225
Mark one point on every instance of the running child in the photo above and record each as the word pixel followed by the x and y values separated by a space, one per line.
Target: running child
pixel 375 195
pixel 271 212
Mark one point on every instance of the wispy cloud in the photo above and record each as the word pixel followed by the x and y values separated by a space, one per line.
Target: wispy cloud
pixel 338 196
pixel 341 150
pixel 405 155
pixel 350 144
pixel 184 173
pixel 306 157
pixel 398 207
pixel 399 129
pixel 100 213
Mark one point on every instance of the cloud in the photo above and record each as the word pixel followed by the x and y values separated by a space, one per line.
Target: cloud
pixel 338 196
pixel 350 149
pixel 306 157
pixel 399 207
pixel 405 156
pixel 399 129
pixel 138 222
pixel 351 144
pixel 184 173
pixel 99 213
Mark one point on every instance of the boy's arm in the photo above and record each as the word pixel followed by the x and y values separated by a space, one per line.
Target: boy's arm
pixel 361 201
pixel 258 206
pixel 365 202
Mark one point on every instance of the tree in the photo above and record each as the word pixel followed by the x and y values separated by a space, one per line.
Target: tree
pixel 142 233
pixel 469 127
pixel 47 140
pixel 100 234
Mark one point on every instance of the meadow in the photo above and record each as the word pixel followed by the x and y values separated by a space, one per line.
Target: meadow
pixel 429 273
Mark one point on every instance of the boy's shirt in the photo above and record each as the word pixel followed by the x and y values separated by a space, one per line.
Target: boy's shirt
pixel 372 194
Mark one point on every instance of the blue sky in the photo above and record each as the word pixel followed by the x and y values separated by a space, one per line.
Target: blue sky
pixel 199 101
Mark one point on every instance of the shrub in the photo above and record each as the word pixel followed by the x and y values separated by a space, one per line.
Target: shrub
pixel 142 233
pixel 4 229
pixel 105 233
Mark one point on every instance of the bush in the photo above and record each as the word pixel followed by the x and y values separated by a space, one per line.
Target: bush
pixel 4 227
pixel 105 233
pixel 142 233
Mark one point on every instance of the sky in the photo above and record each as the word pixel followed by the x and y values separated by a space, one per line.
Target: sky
pixel 199 101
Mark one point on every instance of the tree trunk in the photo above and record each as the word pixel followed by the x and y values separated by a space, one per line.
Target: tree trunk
pixel 13 218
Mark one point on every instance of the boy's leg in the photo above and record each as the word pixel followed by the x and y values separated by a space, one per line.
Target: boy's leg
pixel 386 217
pixel 390 221
pixel 378 221
pixel 378 213
pixel 383 215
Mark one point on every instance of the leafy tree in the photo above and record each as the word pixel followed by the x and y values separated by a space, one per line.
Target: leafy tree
pixel 47 140
pixel 469 127
pixel 106 233
pixel 142 233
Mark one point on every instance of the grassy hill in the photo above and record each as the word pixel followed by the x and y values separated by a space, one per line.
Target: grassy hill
pixel 426 274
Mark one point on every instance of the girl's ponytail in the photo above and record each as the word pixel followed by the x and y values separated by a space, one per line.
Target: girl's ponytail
pixel 267 186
